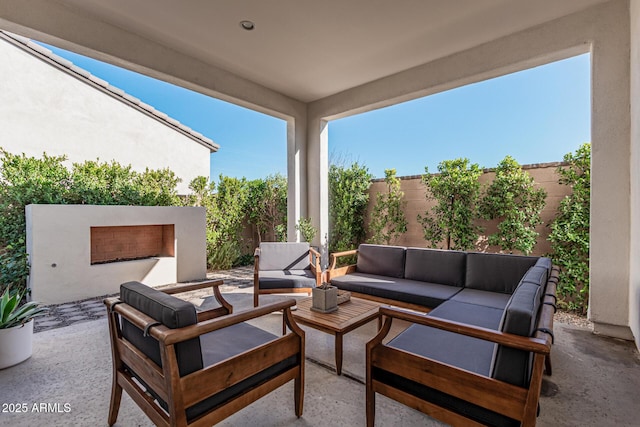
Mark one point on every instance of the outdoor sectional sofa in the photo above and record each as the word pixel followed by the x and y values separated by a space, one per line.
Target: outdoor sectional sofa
pixel 478 356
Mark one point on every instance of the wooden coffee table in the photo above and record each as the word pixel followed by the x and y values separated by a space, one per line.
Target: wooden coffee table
pixel 349 316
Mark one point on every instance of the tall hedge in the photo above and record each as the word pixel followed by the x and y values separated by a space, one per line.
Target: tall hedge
pixel 570 231
pixel 348 198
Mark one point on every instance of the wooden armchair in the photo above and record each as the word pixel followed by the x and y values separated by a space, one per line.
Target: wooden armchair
pixel 285 268
pixel 188 369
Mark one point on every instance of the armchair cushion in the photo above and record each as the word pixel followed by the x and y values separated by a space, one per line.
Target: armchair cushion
pixel 381 260
pixel 171 312
pixel 284 256
pixel 287 279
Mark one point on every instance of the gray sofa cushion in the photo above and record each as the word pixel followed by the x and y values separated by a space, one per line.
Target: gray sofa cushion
pixel 496 272
pixel 381 260
pixel 435 266
pixel 539 273
pixel 171 312
pixel 454 349
pixel 485 298
pixel 471 314
pixel 410 291
pixel 519 317
pixel 286 279
pixel 546 263
pixel 284 256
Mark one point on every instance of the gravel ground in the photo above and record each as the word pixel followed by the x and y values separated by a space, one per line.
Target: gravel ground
pixel 572 319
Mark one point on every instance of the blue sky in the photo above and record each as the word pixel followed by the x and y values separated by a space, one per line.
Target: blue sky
pixel 536 116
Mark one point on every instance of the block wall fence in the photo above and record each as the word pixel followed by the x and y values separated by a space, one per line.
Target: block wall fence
pixel 544 175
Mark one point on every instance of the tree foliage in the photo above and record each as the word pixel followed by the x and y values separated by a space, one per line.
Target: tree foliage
pixel 570 231
pixel 306 229
pixel 388 221
pixel 225 206
pixel 348 198
pixel 267 207
pixel 513 199
pixel 456 190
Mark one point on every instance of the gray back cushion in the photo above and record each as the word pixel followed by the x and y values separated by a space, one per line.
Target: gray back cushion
pixel 171 312
pixel 435 266
pixel 496 272
pixel 381 260
pixel 520 317
pixel 284 256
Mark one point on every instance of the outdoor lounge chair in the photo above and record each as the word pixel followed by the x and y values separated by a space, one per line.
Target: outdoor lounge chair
pixel 188 369
pixel 285 268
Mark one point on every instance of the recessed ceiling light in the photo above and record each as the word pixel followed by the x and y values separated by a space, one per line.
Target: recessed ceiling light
pixel 247 25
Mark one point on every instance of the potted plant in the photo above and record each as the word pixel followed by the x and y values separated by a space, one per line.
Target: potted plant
pixel 16 328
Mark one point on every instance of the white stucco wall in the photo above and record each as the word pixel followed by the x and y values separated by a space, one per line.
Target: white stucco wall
pixel 634 291
pixel 60 235
pixel 43 109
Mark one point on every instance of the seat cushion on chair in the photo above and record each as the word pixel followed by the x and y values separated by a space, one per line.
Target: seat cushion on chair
pixel 229 342
pixel 284 256
pixel 171 312
pixel 286 279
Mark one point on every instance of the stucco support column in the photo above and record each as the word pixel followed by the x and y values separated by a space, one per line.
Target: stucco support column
pixel 634 259
pixel 296 176
pixel 318 183
pixel 610 178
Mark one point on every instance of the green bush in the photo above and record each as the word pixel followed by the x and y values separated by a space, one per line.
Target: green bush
pixel 388 221
pixel 225 212
pixel 306 229
pixel 456 190
pixel 348 198
pixel 267 207
pixel 569 235
pixel 513 199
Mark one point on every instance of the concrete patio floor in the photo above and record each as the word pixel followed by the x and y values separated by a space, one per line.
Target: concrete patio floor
pixel 595 381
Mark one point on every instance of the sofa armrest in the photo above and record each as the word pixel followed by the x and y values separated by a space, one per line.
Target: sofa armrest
pixel 314 261
pixel 334 271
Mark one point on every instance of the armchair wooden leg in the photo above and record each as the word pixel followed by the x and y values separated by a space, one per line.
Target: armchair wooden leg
pixel 298 395
pixel 255 298
pixel 114 406
pixel 371 407
pixel 547 364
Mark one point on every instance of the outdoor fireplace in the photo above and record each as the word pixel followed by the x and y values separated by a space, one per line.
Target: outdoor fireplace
pixel 131 242
pixel 84 251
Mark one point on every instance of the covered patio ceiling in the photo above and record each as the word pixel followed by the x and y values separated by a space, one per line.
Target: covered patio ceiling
pixel 310 50
pixel 311 62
